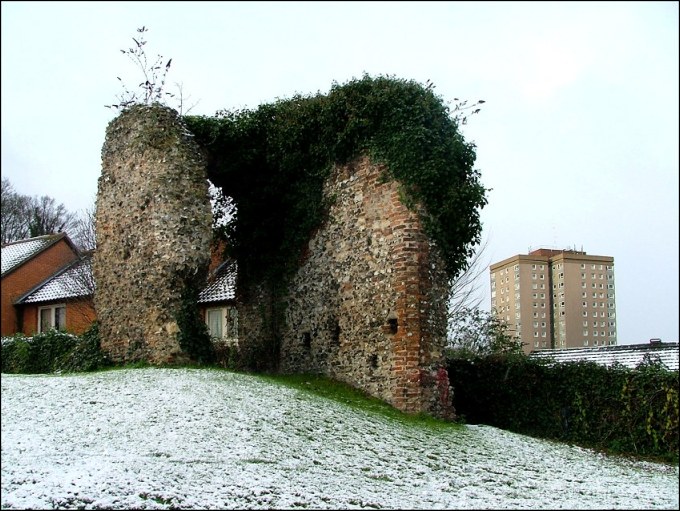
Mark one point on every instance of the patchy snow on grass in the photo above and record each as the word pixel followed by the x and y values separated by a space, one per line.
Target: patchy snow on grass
pixel 197 438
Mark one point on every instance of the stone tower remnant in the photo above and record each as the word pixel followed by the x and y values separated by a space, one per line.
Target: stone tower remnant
pixel 154 228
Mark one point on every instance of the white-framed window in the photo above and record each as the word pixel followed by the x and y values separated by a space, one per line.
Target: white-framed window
pixel 51 317
pixel 222 322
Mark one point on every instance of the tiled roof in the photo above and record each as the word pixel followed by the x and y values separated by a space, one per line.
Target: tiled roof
pixel 221 285
pixel 72 282
pixel 76 281
pixel 628 355
pixel 18 252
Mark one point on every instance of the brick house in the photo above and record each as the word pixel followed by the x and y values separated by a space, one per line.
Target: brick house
pixel 25 265
pixel 62 301
pixel 47 283
pixel 217 303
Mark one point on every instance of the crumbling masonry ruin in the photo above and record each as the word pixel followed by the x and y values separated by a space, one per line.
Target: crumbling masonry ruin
pixel 367 305
pixel 154 227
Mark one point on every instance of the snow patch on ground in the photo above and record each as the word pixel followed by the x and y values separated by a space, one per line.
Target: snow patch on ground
pixel 205 439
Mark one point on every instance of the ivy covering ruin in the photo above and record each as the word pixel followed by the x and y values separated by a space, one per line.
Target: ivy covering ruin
pixel 273 161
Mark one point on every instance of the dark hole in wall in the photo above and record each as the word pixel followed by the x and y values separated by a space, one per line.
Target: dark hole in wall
pixel 335 335
pixel 307 341
pixel 373 361
pixel 394 325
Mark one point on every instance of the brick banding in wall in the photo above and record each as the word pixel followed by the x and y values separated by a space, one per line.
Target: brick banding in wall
pixel 367 306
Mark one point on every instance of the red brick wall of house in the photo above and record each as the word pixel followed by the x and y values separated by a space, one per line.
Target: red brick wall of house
pixel 29 275
pixel 80 315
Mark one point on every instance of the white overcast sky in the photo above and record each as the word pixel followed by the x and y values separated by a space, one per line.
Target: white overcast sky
pixel 578 138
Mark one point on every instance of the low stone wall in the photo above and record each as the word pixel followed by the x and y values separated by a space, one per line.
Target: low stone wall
pixel 154 227
pixel 368 305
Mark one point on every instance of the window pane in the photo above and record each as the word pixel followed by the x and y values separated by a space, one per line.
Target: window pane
pixel 60 318
pixel 215 323
pixel 45 319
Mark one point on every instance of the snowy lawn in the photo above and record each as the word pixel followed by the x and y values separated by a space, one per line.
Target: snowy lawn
pixel 198 438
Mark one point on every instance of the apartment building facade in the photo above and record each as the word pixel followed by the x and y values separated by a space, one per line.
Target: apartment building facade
pixel 556 299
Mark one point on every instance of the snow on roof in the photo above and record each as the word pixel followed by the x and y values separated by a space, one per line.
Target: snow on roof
pixel 18 252
pixel 628 355
pixel 74 281
pixel 222 285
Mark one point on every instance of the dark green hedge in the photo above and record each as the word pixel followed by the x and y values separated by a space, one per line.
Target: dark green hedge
pixel 53 351
pixel 621 410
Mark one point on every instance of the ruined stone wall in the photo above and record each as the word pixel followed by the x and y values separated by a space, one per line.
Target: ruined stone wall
pixel 153 224
pixel 368 306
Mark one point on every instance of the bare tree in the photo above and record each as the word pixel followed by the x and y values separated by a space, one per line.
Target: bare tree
pixel 83 233
pixel 48 217
pixel 15 211
pixel 465 288
pixel 471 330
pixel 25 217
